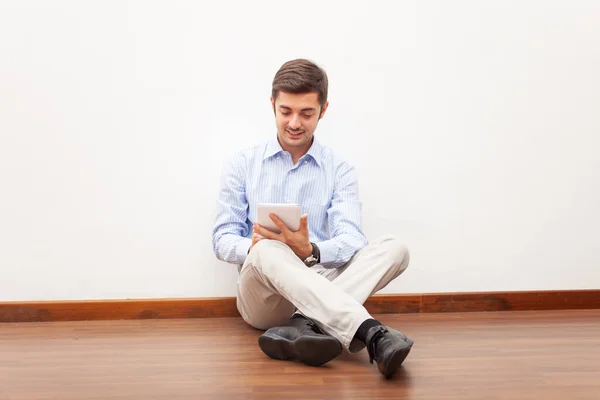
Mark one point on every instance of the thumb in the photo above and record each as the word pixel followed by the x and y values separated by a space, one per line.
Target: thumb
pixel 304 222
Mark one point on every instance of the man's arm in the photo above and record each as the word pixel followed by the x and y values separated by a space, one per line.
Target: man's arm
pixel 230 231
pixel 344 217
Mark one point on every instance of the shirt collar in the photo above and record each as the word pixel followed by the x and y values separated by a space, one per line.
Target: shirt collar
pixel 315 151
pixel 273 147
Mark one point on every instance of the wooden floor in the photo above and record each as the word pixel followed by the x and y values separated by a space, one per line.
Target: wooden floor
pixel 502 355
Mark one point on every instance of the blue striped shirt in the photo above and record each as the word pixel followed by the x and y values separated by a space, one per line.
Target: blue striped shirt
pixel 324 185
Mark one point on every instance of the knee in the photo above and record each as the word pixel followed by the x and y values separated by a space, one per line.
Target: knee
pixel 397 251
pixel 262 252
pixel 262 246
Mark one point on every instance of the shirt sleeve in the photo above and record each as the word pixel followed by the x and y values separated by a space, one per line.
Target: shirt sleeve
pixel 230 231
pixel 344 219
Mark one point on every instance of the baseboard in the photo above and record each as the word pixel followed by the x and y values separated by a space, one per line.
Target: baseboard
pixel 226 307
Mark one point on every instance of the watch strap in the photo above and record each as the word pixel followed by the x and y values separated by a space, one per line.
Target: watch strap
pixel 316 252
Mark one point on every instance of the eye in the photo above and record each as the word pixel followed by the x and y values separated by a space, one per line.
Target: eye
pixel 307 115
pixel 285 113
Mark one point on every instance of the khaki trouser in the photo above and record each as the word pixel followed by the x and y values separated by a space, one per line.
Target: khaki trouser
pixel 274 283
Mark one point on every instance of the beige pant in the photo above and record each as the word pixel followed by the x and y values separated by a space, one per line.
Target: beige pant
pixel 274 283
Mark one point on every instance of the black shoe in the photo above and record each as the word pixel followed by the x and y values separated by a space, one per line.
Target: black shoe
pixel 388 347
pixel 301 340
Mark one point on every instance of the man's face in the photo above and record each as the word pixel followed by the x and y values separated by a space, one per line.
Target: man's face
pixel 297 116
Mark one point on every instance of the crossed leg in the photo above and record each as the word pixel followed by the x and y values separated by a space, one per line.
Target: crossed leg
pixel 274 283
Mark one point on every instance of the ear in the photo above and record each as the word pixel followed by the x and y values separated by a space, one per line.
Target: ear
pixel 323 109
pixel 273 104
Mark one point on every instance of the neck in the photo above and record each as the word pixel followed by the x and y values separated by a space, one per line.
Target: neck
pixel 297 152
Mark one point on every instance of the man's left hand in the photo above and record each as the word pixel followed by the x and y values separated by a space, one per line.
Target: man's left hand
pixel 298 241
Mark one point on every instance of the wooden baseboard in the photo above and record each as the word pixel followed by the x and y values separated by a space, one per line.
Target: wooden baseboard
pixel 225 307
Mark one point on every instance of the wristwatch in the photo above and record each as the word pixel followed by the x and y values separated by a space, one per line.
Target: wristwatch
pixel 314 258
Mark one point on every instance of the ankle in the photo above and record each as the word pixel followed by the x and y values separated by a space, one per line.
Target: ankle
pixel 363 329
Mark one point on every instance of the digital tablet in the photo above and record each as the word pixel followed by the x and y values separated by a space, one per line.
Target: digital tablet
pixel 289 213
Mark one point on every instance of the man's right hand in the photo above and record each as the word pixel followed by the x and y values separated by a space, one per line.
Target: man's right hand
pixel 255 239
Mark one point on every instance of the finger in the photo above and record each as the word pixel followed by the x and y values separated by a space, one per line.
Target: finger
pixel 278 222
pixel 304 223
pixel 265 233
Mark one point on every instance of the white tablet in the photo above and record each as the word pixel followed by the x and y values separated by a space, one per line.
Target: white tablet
pixel 289 213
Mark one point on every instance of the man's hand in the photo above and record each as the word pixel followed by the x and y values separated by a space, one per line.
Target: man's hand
pixel 255 239
pixel 298 241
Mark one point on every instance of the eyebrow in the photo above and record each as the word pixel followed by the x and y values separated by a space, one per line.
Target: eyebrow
pixel 304 109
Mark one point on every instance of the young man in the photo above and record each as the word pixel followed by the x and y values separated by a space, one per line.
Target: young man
pixel 306 288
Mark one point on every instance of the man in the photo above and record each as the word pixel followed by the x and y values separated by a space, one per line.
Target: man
pixel 306 288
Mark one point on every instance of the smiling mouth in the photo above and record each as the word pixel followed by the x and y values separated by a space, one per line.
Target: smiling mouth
pixel 292 133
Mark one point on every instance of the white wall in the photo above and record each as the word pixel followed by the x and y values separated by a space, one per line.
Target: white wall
pixel 474 125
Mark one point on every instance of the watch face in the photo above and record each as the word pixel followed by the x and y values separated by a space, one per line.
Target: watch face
pixel 310 261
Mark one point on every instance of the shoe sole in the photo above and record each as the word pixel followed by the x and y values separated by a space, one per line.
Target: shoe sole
pixel 308 350
pixel 395 361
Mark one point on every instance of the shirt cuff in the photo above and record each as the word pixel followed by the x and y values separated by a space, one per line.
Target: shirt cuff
pixel 241 248
pixel 329 251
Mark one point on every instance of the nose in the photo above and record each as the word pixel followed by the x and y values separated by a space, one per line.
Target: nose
pixel 294 122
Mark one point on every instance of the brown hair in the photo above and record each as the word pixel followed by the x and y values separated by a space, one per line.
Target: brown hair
pixel 301 76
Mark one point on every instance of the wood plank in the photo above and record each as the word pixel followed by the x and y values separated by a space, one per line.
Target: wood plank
pixel 225 306
pixel 117 309
pixel 511 301
pixel 495 355
pixel 394 303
